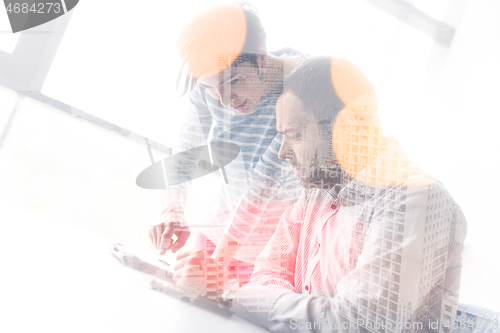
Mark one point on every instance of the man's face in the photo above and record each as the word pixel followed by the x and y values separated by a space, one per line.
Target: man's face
pixel 303 144
pixel 237 86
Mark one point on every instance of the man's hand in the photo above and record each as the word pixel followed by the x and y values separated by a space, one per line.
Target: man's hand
pixel 161 236
pixel 190 272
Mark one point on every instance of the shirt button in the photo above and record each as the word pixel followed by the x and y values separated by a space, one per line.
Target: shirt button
pixel 307 288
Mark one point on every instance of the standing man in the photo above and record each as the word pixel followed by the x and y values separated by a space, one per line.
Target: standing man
pixel 235 83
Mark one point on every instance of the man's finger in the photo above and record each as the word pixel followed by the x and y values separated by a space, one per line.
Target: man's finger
pixel 187 272
pixel 178 265
pixel 165 242
pixel 166 236
pixel 182 238
pixel 158 232
pixel 183 254
pixel 189 258
pixel 151 238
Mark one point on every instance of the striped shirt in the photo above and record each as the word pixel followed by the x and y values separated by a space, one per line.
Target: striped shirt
pixel 261 186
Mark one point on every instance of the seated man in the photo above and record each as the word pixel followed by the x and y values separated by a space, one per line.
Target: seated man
pixel 373 244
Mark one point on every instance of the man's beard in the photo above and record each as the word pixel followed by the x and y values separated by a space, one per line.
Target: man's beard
pixel 327 175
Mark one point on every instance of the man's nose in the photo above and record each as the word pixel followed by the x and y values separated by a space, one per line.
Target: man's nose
pixel 285 151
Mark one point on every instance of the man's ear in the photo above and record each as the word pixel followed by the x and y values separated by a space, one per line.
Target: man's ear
pixel 262 56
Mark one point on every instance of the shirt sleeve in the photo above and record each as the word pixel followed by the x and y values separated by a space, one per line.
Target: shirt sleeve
pixel 194 133
pixel 274 271
pixel 400 278
pixel 275 266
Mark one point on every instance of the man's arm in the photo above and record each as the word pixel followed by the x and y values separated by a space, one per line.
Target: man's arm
pixel 269 269
pixel 400 278
pixel 274 271
pixel 194 133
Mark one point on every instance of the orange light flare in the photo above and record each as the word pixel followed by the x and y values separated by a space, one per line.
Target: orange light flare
pixel 357 136
pixel 213 39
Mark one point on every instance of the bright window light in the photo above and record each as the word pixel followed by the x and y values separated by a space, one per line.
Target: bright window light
pixel 125 73
pixel 8 40
pixel 434 8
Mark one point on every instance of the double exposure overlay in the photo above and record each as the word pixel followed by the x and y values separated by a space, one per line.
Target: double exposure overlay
pixel 322 223
pixel 263 166
pixel 373 242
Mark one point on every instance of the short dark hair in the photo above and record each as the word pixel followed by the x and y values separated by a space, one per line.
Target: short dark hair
pixel 256 34
pixel 312 83
pixel 193 37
